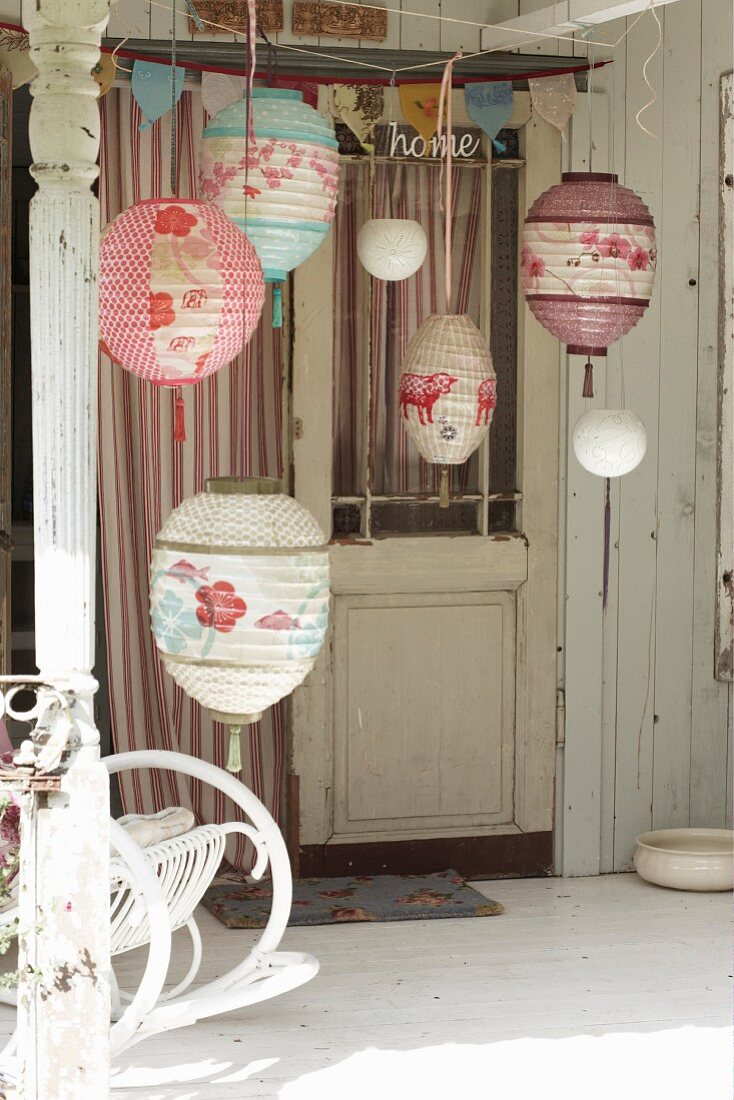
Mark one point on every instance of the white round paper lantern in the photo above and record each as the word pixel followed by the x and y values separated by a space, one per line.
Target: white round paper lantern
pixel 391 248
pixel 609 442
pixel 239 597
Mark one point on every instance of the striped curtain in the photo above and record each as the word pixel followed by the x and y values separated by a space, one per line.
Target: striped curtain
pixel 234 424
pixel 397 190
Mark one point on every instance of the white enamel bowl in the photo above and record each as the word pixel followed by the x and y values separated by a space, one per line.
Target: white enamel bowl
pixel 687 859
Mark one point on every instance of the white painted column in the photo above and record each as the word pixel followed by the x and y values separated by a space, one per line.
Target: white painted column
pixel 63 1014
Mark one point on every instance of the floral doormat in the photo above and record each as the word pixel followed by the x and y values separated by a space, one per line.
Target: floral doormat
pixel 344 900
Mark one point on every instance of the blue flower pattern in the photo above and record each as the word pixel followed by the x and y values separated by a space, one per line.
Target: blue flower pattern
pixel 174 627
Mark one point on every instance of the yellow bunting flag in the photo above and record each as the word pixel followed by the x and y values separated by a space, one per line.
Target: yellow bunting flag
pixel 104 73
pixel 419 103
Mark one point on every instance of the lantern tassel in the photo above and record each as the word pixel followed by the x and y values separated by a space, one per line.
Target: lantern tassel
pixel 234 760
pixel 607 540
pixel 443 493
pixel 588 390
pixel 277 306
pixel 179 418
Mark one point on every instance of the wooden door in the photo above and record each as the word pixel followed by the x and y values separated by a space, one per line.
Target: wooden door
pixel 425 739
pixel 6 543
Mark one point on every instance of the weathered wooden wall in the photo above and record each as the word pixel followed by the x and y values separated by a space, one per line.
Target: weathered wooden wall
pixel 647 723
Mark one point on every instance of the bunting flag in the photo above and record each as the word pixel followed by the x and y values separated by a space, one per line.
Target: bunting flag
pixel 554 98
pixel 104 73
pixel 15 55
pixel 360 107
pixel 218 90
pixel 419 103
pixel 151 87
pixel 490 106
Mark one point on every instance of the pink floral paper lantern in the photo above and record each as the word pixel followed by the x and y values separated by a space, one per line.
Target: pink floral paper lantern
pixel 588 262
pixel 180 290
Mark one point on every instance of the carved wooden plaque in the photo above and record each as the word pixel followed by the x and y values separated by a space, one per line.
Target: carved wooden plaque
pixel 342 20
pixel 233 13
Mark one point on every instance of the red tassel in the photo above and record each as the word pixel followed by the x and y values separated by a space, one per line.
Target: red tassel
pixel 588 390
pixel 179 418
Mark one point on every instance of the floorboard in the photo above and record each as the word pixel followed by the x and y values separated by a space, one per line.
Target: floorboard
pixel 602 987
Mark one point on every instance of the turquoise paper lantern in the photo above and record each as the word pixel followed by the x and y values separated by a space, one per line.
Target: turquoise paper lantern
pixel 281 186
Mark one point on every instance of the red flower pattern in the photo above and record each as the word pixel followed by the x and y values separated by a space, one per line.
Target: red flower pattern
pixel 161 310
pixel 536 266
pixel 615 246
pixel 174 219
pixel 590 237
pixel 221 607
pixel 638 260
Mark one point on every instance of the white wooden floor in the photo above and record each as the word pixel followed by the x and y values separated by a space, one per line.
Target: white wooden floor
pixel 600 988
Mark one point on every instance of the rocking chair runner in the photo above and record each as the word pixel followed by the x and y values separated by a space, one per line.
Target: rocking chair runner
pixel 154 892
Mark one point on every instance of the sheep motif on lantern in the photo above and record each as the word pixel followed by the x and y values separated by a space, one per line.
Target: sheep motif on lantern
pixel 180 290
pixel 391 248
pixel 239 598
pixel 588 262
pixel 447 391
pixel 280 186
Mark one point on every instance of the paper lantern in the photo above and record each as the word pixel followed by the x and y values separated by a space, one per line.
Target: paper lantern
pixel 391 248
pixel 239 597
pixel 588 262
pixel 447 390
pixel 609 442
pixel 281 187
pixel 180 290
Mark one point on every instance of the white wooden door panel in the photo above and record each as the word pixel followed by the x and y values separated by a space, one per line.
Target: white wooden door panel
pixel 424 708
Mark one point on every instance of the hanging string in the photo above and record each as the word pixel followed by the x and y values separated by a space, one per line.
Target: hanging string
pixel 653 93
pixel 174 121
pixel 444 102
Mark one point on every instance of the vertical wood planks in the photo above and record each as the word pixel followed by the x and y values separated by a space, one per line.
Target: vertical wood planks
pixel 129 19
pixel 711 715
pixel 638 491
pixel 537 462
pixel 677 291
pixel 421 34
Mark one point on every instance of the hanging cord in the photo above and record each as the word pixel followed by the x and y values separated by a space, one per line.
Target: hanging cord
pixel 174 120
pixel 653 93
pixel 607 540
pixel 444 101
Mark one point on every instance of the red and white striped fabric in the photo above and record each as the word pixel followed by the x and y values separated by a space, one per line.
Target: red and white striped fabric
pixel 398 310
pixel 144 474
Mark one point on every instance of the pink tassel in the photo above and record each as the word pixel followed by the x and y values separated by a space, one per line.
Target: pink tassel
pixel 588 390
pixel 179 418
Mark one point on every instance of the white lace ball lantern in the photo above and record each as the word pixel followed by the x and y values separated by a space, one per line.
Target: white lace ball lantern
pixel 180 290
pixel 281 186
pixel 239 598
pixel 391 248
pixel 447 391
pixel 609 442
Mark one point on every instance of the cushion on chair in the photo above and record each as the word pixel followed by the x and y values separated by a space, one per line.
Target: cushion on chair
pixel 149 829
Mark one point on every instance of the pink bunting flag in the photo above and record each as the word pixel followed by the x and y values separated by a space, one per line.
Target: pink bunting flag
pixel 554 98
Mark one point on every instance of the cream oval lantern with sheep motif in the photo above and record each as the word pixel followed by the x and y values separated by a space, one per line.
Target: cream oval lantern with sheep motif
pixel 447 390
pixel 239 598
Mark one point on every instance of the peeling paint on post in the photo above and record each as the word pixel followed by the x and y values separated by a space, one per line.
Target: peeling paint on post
pixel 64 994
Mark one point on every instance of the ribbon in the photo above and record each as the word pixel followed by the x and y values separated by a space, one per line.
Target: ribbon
pixel 444 102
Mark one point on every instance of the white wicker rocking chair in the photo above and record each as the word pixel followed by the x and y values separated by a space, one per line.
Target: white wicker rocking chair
pixel 154 892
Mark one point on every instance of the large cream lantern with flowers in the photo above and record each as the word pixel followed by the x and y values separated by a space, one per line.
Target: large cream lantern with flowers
pixel 239 597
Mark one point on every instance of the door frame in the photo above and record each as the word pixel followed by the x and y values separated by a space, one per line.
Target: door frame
pixel 525 563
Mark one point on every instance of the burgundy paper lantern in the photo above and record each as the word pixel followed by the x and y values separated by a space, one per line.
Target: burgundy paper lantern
pixel 180 290
pixel 588 262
